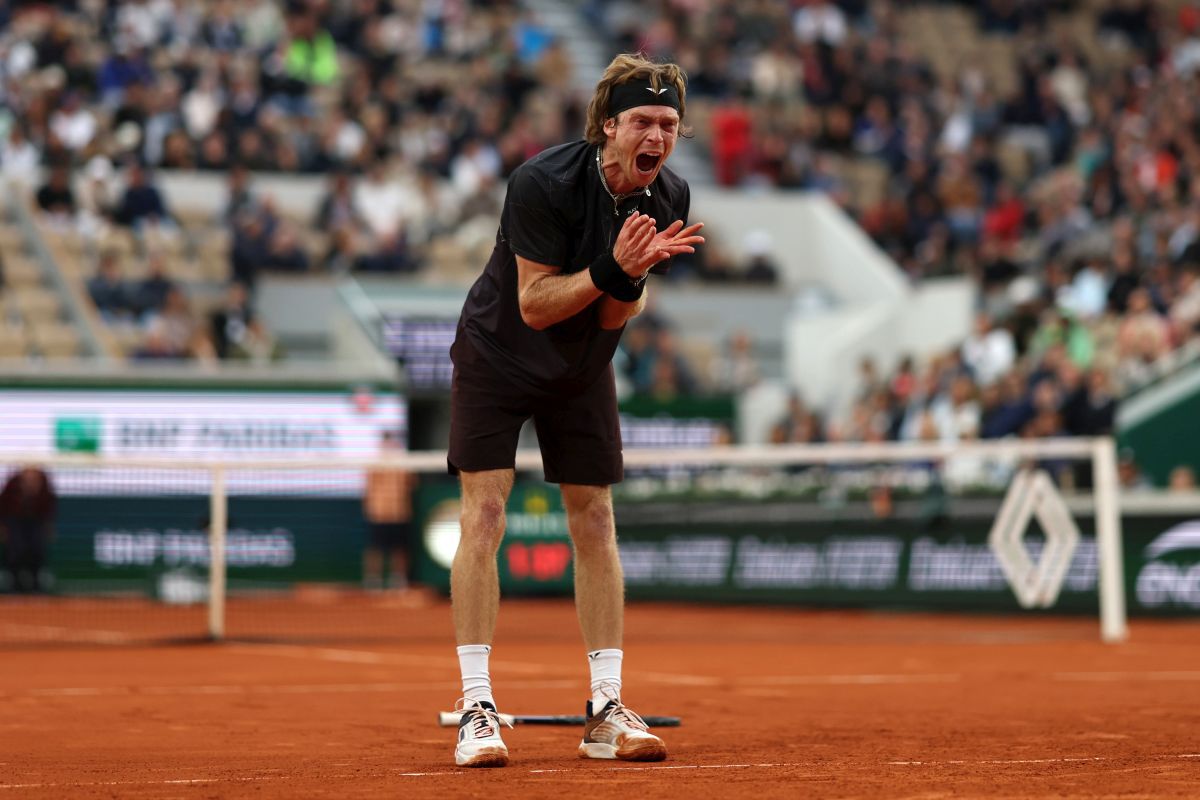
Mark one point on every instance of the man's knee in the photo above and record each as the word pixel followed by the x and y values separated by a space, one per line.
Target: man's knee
pixel 591 522
pixel 482 524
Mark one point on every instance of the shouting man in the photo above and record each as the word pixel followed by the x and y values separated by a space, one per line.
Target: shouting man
pixel 583 224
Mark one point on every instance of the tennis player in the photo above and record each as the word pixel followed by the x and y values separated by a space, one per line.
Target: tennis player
pixel 582 226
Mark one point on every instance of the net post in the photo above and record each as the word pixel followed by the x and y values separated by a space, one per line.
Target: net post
pixel 1113 627
pixel 217 524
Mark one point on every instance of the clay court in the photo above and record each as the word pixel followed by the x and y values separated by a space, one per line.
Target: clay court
pixel 775 703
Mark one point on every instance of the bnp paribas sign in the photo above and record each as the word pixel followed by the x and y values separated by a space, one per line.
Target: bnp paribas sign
pixel 77 434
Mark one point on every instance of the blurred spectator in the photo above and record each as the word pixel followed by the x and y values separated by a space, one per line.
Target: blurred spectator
pixel 97 197
pixel 1182 479
pixel 380 202
pixel 28 505
pixel 389 255
pixel 989 352
pixel 56 199
pixel 284 253
pixel 955 412
pixel 19 157
pixel 73 126
pixel 155 346
pixel 258 345
pixel 142 204
pixel 1089 408
pixel 737 369
pixel 248 252
pixel 230 322
pixel 342 253
pixel 1185 310
pixel 150 294
pixel 109 291
pixel 1143 337
pixel 1129 474
pixel 388 507
pixel 761 267
pixel 240 197
pixel 311 54
pixel 437 207
pixel 820 21
pixel 174 332
pixel 337 209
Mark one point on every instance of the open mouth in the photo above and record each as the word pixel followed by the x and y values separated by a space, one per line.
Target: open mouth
pixel 647 162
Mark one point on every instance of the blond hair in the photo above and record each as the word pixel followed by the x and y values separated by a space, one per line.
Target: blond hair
pixel 624 68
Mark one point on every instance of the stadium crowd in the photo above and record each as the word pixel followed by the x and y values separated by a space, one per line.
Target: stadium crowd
pixel 1070 192
pixel 416 112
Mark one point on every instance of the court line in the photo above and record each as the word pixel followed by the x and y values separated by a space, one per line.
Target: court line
pixel 594 769
pixel 343 655
pixel 747 685
pixel 878 679
pixel 267 689
pixel 391 686
pixel 676 679
pixel 1117 677
pixel 54 633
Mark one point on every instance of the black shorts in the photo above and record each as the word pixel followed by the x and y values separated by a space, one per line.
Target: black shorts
pixel 579 433
pixel 390 535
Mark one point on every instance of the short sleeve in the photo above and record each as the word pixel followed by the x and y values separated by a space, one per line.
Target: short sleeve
pixel 532 226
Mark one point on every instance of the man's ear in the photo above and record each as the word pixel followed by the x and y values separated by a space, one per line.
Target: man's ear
pixel 610 127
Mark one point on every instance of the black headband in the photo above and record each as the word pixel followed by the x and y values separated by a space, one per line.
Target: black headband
pixel 639 92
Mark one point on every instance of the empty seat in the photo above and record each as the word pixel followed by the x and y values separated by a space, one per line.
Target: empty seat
pixel 37 304
pixel 11 240
pixel 14 343
pixel 21 272
pixel 214 267
pixel 55 340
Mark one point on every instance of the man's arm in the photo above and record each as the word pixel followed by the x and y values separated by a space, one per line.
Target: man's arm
pixel 547 297
pixel 614 313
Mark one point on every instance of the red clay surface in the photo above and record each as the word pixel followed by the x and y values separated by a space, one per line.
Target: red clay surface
pixel 775 703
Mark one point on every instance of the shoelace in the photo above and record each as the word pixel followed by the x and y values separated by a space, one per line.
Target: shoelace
pixel 627 715
pixel 484 721
pixel 624 713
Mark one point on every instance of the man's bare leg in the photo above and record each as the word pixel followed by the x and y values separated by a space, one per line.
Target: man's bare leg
pixel 475 600
pixel 599 582
pixel 612 730
pixel 474 581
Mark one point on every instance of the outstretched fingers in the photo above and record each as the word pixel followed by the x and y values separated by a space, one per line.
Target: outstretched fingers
pixel 676 234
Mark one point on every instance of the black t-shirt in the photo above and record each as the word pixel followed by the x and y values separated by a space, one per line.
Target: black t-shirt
pixel 557 213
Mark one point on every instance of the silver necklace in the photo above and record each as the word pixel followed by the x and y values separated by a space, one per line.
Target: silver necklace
pixel 616 198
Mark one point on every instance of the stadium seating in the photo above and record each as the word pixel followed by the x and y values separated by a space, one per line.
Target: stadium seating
pixel 1004 147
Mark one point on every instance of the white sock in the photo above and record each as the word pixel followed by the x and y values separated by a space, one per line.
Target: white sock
pixel 473 663
pixel 606 675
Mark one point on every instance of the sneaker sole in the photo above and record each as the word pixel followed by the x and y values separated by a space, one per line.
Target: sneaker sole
pixel 487 757
pixel 639 751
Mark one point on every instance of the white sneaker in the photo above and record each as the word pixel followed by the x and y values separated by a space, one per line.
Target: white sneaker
pixel 479 742
pixel 617 732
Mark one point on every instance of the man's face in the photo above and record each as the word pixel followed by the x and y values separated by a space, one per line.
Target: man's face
pixel 641 139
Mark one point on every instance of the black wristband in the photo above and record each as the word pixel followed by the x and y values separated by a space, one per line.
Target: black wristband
pixel 609 278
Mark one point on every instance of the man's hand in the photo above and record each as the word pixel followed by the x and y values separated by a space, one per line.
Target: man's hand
pixel 640 246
